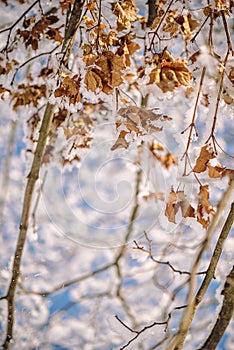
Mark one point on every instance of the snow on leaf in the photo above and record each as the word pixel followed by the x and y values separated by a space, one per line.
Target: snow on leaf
pixel 70 87
pixel 169 72
pixel 126 13
pixel 178 200
pixel 137 120
pixel 205 155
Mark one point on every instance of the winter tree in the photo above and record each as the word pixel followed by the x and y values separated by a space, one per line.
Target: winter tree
pixel 116 174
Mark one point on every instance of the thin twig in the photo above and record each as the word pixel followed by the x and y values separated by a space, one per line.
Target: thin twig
pixel 149 251
pixel 192 124
pixel 160 23
pixel 139 332
pixel 68 283
pixel 212 133
pixel 31 59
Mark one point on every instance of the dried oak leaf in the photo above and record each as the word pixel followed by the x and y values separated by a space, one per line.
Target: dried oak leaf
pixel 137 120
pixel 205 155
pixel 171 206
pixel 169 72
pixel 178 200
pixel 28 95
pixel 70 87
pixel 108 74
pixel 204 208
pixel 127 48
pixel 93 81
pixel 121 141
pixel 186 209
pixel 188 25
pixel 171 25
pixel 126 13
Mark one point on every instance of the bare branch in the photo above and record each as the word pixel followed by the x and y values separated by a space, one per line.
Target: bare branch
pixel 192 125
pixel 68 283
pixel 149 251
pixel 225 314
pixel 152 12
pixel 192 303
pixel 141 331
pixel 32 178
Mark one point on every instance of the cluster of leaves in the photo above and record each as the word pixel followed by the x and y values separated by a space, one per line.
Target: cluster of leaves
pixel 32 33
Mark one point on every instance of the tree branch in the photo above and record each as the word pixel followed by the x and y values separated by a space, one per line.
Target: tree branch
pixel 32 178
pixel 225 314
pixel 192 303
pixel 152 12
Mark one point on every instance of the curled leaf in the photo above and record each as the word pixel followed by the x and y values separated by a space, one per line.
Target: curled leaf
pixel 169 72
pixel 205 155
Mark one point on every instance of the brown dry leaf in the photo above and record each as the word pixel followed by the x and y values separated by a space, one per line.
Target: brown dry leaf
pixel 168 160
pixel 171 206
pixel 140 117
pixel 171 25
pixel 186 208
pixel 121 141
pixel 137 120
pixel 221 4
pixel 126 13
pixel 127 47
pixel 70 87
pixel 178 200
pixel 53 34
pixel 28 95
pixel 219 171
pixel 215 171
pixel 3 89
pixel 89 59
pixel 111 66
pixel 231 75
pixel 169 72
pixel 93 81
pixel 89 21
pixel 205 155
pixel 204 208
pixel 108 76
pixel 81 134
pixel 188 25
pixel 91 6
pixel 65 5
pixel 193 58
